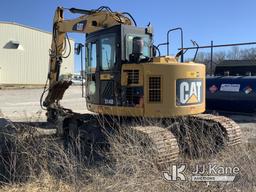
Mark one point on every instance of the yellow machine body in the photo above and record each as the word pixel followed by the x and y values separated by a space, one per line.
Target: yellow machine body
pixel 170 89
pixel 125 78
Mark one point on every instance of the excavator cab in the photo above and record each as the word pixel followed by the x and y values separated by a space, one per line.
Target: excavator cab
pixel 107 50
pixel 125 78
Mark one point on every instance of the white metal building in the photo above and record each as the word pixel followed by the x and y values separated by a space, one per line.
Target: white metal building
pixel 24 55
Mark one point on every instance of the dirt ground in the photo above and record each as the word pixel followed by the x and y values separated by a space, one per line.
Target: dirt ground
pixel 23 105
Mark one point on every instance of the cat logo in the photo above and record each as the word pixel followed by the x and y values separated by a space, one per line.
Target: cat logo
pixel 79 26
pixel 189 92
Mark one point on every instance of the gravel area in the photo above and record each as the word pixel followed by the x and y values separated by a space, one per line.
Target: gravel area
pixel 22 105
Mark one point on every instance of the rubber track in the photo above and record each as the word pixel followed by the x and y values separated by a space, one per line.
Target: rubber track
pixel 232 129
pixel 163 141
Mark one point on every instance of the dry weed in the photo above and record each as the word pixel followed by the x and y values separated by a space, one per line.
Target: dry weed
pixel 31 163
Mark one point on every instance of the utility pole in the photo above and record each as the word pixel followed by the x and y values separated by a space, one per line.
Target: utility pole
pixel 211 58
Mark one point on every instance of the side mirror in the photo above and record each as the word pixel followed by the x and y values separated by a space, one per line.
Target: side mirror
pixel 78 48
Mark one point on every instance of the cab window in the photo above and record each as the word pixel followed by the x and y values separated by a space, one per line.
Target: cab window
pixel 108 53
pixel 146 45
pixel 91 57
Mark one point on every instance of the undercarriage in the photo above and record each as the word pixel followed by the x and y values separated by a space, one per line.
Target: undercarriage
pixel 194 136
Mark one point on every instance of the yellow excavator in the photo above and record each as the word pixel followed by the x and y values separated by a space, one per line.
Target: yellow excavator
pixel 125 80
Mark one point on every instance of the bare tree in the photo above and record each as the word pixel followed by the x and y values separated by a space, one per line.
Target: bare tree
pixel 234 54
pixel 248 54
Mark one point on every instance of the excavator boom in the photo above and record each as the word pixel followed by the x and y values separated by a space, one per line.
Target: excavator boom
pixel 90 21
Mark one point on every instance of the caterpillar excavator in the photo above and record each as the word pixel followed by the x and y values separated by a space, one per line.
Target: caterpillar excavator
pixel 125 80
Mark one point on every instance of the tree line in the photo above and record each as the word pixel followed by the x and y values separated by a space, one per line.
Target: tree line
pixel 235 53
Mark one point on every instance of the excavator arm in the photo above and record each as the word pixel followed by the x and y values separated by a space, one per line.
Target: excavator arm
pixel 90 21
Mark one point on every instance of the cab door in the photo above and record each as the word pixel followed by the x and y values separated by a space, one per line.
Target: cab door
pixel 92 73
pixel 107 68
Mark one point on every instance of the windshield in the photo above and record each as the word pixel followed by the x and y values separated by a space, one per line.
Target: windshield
pixel 146 45
pixel 101 53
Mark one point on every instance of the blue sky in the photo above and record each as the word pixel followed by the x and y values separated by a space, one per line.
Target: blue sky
pixel 223 21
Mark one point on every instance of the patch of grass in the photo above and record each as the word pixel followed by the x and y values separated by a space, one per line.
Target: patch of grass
pixel 32 163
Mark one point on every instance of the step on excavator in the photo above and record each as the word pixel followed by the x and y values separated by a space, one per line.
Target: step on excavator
pixel 127 81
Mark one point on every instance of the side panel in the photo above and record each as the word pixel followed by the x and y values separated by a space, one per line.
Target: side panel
pixel 169 90
pixel 162 95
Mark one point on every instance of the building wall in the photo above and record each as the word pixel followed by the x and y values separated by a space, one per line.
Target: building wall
pixel 29 63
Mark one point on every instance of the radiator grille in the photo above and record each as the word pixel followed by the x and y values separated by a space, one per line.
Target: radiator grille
pixel 133 76
pixel 154 89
